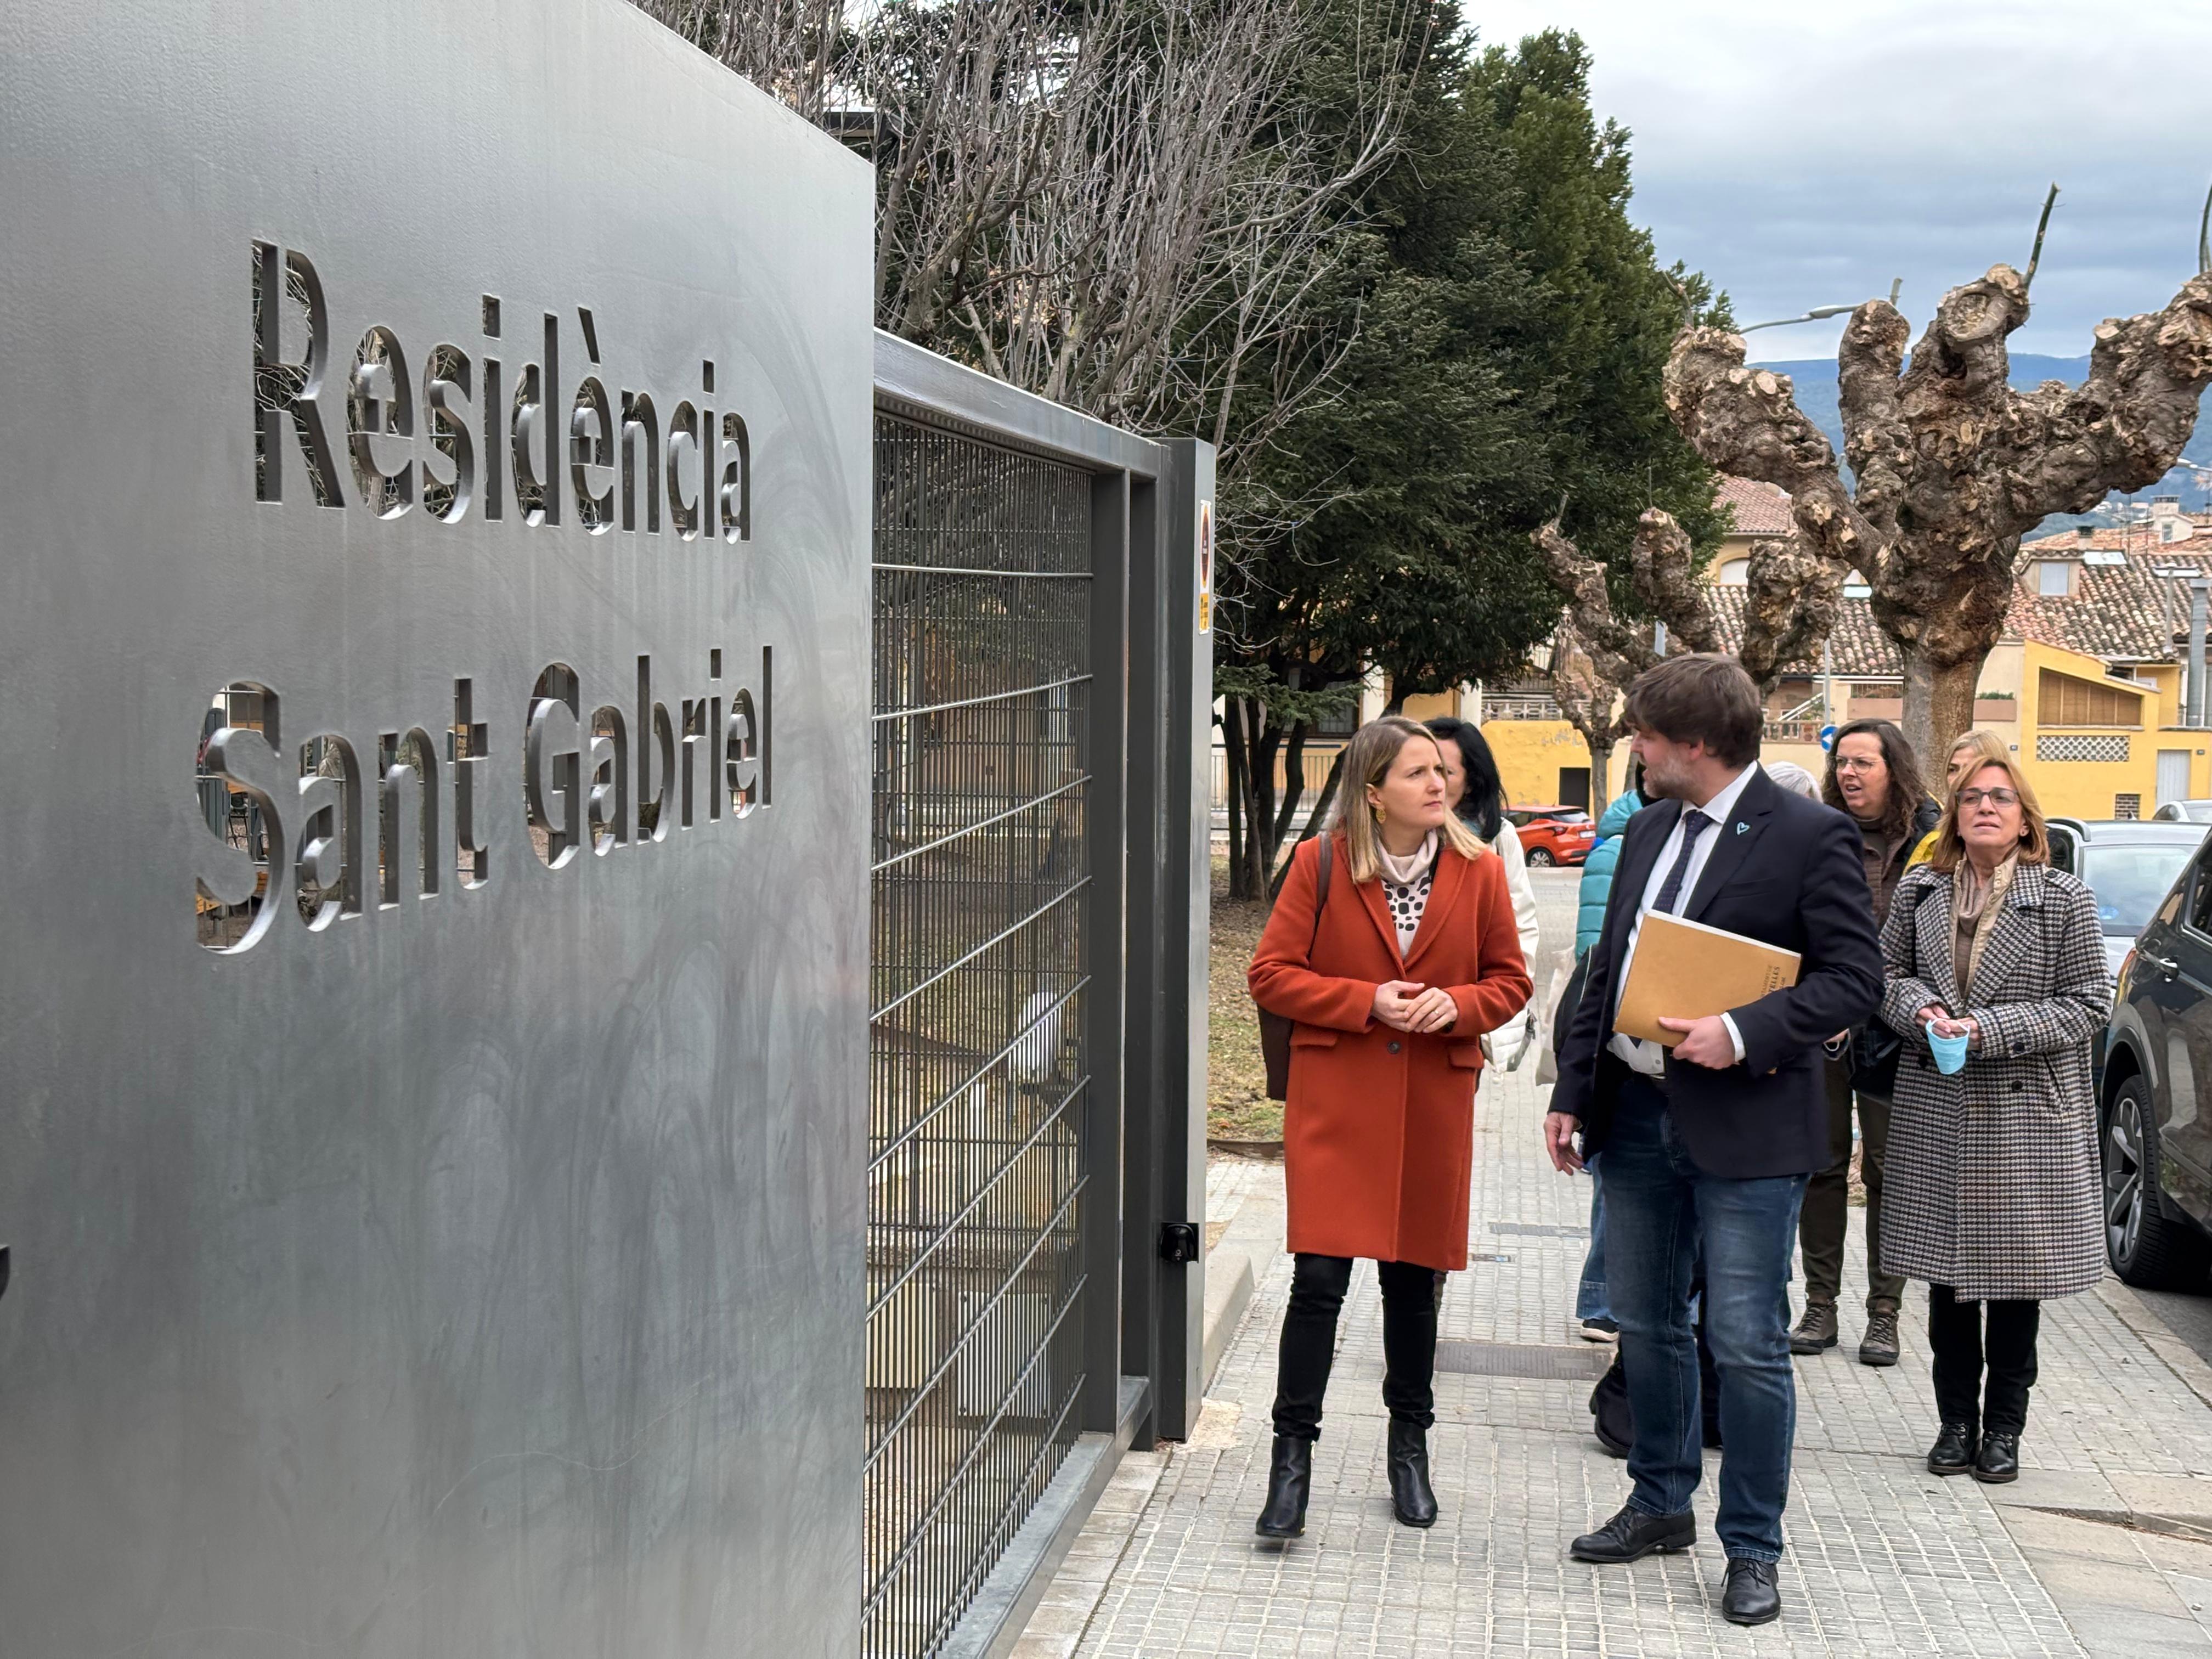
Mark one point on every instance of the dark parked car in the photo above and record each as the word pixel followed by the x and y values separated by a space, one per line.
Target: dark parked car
pixel 1553 835
pixel 2156 1141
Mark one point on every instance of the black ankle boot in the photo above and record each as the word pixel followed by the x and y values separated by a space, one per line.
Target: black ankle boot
pixel 1290 1476
pixel 1410 1493
pixel 1955 1450
pixel 1998 1461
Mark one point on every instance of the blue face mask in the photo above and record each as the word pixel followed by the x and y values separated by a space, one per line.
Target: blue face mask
pixel 1950 1052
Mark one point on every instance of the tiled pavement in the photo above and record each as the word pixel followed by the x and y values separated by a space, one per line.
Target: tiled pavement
pixel 1883 1559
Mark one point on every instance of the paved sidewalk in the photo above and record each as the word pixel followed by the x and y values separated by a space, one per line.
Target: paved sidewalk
pixel 2103 1547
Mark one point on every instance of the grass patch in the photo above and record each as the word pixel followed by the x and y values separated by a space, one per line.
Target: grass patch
pixel 1237 1104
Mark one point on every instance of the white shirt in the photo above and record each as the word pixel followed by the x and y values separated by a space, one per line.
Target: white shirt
pixel 1650 1058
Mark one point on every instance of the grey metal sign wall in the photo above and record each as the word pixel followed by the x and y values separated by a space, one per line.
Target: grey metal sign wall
pixel 433 585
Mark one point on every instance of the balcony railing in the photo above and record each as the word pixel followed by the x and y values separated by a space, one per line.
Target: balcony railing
pixel 1791 730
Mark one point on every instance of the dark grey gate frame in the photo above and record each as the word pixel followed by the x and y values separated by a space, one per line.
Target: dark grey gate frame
pixel 1147 838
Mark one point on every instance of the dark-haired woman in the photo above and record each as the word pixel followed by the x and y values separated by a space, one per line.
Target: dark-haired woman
pixel 1874 780
pixel 1476 793
pixel 1391 982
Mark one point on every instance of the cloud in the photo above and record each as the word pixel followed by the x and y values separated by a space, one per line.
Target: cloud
pixel 1806 156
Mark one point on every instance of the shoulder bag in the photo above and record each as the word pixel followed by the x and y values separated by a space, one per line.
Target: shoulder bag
pixel 1275 1029
pixel 1876 1049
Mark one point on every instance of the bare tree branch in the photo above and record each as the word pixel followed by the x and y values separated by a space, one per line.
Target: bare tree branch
pixel 1953 465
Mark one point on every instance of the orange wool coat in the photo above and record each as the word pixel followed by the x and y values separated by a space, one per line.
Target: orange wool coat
pixel 1379 1133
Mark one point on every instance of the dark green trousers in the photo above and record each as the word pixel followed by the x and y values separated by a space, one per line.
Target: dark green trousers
pixel 1822 1223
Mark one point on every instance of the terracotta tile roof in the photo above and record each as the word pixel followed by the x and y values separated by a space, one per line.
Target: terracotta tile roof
pixel 2121 612
pixel 1761 509
pixel 2140 538
pixel 1856 645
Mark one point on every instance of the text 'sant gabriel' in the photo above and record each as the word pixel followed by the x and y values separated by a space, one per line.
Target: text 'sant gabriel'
pixel 293 822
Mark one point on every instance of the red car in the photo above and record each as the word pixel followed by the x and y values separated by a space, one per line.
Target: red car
pixel 1553 835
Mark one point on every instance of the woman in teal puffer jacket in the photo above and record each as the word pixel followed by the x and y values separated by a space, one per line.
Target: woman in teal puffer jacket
pixel 1590 1304
pixel 1597 869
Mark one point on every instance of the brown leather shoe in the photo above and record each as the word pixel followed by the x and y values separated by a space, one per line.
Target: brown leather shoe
pixel 1815 1330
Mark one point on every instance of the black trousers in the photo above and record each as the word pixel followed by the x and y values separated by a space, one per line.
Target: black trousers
pixel 1964 1355
pixel 1309 1345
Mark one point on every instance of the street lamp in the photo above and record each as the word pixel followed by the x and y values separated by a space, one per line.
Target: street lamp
pixel 1818 313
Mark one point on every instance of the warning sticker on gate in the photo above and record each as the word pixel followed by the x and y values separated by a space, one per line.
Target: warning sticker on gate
pixel 1205 567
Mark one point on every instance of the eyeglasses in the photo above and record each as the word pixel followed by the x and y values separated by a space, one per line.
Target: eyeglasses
pixel 1857 763
pixel 1995 797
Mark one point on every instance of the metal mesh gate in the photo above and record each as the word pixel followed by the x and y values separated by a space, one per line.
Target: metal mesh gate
pixel 979 1071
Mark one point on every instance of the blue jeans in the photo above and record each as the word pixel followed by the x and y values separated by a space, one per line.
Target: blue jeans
pixel 1663 1210
pixel 1590 1299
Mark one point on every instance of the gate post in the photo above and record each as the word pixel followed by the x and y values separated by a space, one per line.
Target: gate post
pixel 1112 767
pixel 1170 882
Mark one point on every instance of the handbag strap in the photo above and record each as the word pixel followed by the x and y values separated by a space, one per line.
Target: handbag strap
pixel 1320 900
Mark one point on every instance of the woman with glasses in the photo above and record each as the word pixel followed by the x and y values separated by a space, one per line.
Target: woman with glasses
pixel 1997 971
pixel 1874 780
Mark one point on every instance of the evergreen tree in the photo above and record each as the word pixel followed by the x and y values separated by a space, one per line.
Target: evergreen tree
pixel 1515 325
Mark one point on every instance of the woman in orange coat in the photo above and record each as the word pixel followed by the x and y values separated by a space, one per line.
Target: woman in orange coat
pixel 1392 981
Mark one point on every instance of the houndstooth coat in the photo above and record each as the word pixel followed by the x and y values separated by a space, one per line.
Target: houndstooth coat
pixel 1990 1184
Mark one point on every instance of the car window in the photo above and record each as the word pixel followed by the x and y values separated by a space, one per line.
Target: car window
pixel 2130 881
pixel 2062 850
pixel 2200 902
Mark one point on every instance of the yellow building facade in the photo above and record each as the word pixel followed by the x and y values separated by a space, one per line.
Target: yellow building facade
pixel 2092 745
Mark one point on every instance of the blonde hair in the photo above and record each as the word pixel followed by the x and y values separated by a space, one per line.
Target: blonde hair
pixel 1985 744
pixel 1368 759
pixel 2034 840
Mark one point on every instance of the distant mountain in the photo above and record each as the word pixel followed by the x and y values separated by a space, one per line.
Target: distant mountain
pixel 1814 379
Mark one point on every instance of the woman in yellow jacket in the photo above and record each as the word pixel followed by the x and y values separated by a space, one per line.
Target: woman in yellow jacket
pixel 1971 752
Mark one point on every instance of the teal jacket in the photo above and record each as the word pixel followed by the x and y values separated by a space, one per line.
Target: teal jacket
pixel 1597 869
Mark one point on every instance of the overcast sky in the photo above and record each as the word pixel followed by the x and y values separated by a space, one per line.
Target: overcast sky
pixel 1804 155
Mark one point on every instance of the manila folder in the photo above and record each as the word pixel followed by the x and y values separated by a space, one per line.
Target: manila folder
pixel 1685 971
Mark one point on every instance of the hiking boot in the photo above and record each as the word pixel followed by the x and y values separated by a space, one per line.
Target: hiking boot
pixel 1816 1330
pixel 1878 1347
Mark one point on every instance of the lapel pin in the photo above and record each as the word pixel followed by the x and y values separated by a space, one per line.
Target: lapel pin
pixel 1742 826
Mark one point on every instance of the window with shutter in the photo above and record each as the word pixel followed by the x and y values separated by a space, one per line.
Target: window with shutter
pixel 2062 700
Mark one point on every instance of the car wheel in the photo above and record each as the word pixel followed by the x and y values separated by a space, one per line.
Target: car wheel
pixel 1540 857
pixel 2146 1247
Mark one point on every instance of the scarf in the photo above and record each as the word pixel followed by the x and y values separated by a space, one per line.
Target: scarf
pixel 1406 883
pixel 1404 871
pixel 1976 905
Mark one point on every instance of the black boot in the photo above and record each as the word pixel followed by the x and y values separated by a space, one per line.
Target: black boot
pixel 1955 1450
pixel 1290 1476
pixel 1410 1493
pixel 1998 1461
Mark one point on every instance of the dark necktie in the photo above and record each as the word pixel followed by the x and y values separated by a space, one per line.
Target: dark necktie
pixel 1694 823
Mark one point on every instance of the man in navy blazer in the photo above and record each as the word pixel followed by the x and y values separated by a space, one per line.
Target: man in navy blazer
pixel 1708 1146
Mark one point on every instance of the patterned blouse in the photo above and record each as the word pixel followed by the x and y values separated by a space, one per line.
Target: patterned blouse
pixel 1406 885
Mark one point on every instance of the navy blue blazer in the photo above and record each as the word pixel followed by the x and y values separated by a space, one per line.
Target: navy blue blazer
pixel 1786 871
